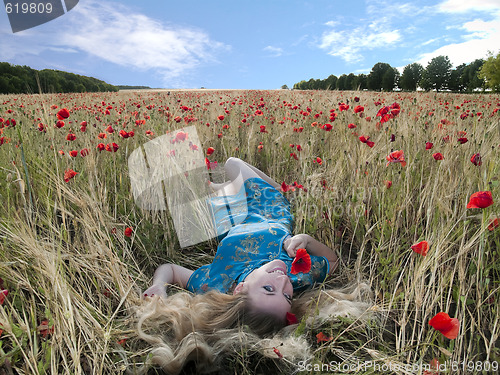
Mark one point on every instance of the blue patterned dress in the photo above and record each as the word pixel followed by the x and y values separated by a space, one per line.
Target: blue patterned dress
pixel 259 222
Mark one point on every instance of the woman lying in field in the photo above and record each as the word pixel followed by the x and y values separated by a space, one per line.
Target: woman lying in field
pixel 250 283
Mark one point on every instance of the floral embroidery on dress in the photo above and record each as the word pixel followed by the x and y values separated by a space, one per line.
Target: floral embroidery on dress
pixel 255 241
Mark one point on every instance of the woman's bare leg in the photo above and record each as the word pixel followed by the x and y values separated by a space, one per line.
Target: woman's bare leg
pixel 238 171
pixel 234 167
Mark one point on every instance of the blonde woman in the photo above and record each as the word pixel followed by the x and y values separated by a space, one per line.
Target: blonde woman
pixel 248 284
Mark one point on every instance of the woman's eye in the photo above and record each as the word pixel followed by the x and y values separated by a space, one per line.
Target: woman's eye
pixel 268 288
pixel 288 297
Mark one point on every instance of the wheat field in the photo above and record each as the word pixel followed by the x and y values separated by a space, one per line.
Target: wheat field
pixel 76 251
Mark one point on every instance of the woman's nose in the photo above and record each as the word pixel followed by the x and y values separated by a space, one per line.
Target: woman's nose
pixel 283 280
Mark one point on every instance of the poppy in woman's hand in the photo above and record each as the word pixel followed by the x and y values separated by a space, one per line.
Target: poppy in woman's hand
pixel 301 263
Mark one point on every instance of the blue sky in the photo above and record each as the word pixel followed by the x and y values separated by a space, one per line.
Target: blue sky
pixel 258 44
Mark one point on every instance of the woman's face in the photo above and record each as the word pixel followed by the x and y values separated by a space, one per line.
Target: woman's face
pixel 269 288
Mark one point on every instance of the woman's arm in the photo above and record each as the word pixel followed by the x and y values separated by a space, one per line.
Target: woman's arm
pixel 313 247
pixel 168 274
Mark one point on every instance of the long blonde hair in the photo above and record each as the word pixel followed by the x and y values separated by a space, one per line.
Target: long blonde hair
pixel 186 327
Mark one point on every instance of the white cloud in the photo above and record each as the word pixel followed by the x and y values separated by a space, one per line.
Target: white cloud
pixel 430 41
pixel 479 35
pixel 349 44
pixel 462 6
pixel 116 34
pixel 274 51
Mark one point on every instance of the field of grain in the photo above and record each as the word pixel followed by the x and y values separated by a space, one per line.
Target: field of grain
pixel 76 251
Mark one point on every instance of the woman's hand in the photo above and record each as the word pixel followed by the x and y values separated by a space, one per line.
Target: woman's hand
pixel 292 244
pixel 155 290
pixel 313 247
pixel 167 274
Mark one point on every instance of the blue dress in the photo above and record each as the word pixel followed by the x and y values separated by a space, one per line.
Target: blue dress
pixel 260 221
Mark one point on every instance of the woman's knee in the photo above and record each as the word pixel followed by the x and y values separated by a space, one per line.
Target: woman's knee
pixel 233 161
pixel 233 167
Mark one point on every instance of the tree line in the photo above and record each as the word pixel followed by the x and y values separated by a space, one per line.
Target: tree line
pixel 17 79
pixel 438 75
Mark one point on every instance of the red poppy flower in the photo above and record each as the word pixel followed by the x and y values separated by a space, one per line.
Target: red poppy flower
pixel 70 137
pixel 101 146
pixel 84 152
pixel 494 223
pixel 438 156
pixel 263 129
pixel 59 124
pixel 351 126
pixel 343 107
pixel 396 157
pixel 63 114
pixel 446 325
pixel 294 155
pixel 476 159
pixel 358 109
pixel 123 133
pixel 395 108
pixel 301 263
pixel 3 293
pixel 291 319
pixel 421 248
pixel 73 153
pixel 285 187
pixel 128 232
pixel 110 129
pixel 463 140
pixel 318 160
pixel 112 147
pixel 69 174
pixel 321 337
pixel 388 184
pixel 44 330
pixel 210 164
pixel 481 199
pixel 428 145
pixel 220 117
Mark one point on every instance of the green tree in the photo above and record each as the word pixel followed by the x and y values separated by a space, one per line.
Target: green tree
pixel 376 75
pixel 470 78
pixel 490 72
pixel 350 81
pixel 331 82
pixel 437 74
pixel 4 85
pixel 361 82
pixel 456 83
pixel 390 79
pixel 300 85
pixel 412 74
pixel 341 82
